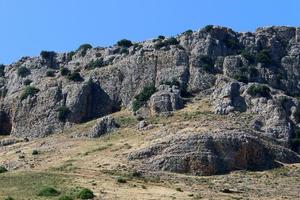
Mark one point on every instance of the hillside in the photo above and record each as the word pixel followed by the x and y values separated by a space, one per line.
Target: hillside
pixel 210 114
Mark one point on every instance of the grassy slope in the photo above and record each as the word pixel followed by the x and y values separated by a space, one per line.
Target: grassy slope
pixel 67 163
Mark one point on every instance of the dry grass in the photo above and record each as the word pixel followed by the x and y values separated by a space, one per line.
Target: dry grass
pixel 67 163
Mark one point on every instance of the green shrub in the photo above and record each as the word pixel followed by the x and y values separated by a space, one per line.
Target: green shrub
pixel 23 72
pixel 50 73
pixel 142 98
pixel 48 192
pixel 95 64
pixel 259 91
pixel 86 194
pixel 9 198
pixel 295 141
pixel 232 43
pixel 65 71
pixel 70 56
pixel 2 73
pixel 35 152
pixel 170 41
pixel 29 91
pixel 65 198
pixel 27 82
pixel 241 78
pixel 124 43
pixel 83 48
pixel 2 169
pixel 179 189
pixel 206 63
pixel 161 37
pixel 174 82
pixel 264 57
pixel 63 113
pixel 208 28
pixel 47 54
pixel 247 55
pixel 188 32
pixel 121 179
pixel 75 76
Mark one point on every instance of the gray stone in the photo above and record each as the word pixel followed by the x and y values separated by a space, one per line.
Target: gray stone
pixel 103 126
pixel 213 153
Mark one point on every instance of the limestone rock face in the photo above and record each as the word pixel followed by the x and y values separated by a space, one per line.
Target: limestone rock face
pixel 167 99
pixel 103 125
pixel 274 115
pixel 213 153
pixel 89 91
pixel 226 98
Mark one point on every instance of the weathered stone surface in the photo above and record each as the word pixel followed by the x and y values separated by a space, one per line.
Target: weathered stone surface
pixel 124 72
pixel 167 99
pixel 226 97
pixel 103 125
pixel 213 153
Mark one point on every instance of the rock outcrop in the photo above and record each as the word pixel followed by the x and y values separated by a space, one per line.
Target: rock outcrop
pixel 103 125
pixel 93 82
pixel 213 153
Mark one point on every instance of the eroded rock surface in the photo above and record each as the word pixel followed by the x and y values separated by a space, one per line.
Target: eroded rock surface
pixel 213 153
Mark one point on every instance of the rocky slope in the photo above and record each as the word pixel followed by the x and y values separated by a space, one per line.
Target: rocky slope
pixel 253 73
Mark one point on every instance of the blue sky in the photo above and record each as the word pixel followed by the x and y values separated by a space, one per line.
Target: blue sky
pixel 29 26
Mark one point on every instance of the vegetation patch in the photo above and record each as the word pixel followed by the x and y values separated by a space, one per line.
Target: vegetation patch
pixel 95 64
pixel 29 91
pixel 121 179
pixel 48 192
pixel 70 56
pixel 65 197
pixel 65 71
pixel 142 98
pixel 259 91
pixel 206 63
pixel 86 194
pixel 75 76
pixel 295 141
pixel 124 43
pixel 170 41
pixel 248 56
pixel 264 57
pixel 63 113
pixel 47 54
pixel 2 169
pixel 23 72
pixel 2 73
pixel 50 73
pixel 83 49
pixel 232 43
pixel 27 82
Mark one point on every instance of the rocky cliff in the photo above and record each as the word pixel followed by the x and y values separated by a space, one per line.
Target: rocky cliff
pixel 257 73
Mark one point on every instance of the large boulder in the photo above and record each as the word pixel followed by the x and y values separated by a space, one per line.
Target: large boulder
pixel 167 99
pixel 103 125
pixel 213 153
pixel 226 97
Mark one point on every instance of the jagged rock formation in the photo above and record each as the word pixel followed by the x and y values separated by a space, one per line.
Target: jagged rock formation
pixel 256 73
pixel 43 95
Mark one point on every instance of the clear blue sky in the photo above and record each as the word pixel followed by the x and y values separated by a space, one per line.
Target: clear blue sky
pixel 29 26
